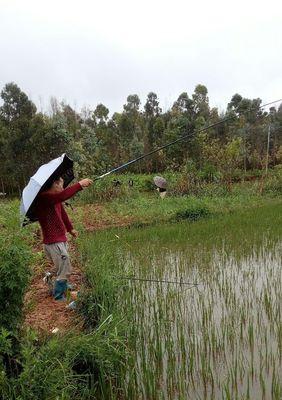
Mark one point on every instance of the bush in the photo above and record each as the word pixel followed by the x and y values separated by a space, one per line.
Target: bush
pixel 208 173
pixel 67 366
pixel 273 184
pixel 192 214
pixel 14 278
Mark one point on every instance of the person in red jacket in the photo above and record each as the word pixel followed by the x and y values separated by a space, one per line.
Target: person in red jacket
pixel 54 223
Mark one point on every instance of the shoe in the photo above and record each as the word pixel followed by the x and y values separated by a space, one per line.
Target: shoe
pixel 71 305
pixel 60 289
pixel 49 281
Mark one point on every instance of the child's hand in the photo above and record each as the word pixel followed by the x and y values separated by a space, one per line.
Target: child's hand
pixel 85 182
pixel 74 233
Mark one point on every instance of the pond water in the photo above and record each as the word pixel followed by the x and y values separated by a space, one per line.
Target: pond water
pixel 216 333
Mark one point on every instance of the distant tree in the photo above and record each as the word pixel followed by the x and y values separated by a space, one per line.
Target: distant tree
pixel 201 101
pixel 105 137
pixel 101 114
pixel 152 109
pixel 16 105
pixel 154 130
pixel 224 157
pixel 73 120
pixel 131 127
pixel 16 114
pixel 184 105
pixel 275 125
pixel 235 102
pixel 133 104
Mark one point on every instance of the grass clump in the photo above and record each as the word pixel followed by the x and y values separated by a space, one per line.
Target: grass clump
pixel 66 366
pixel 15 266
pixel 273 184
pixel 192 214
pixel 14 279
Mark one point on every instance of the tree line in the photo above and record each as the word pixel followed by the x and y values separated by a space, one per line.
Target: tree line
pixel 97 142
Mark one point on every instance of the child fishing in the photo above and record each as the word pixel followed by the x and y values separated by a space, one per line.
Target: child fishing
pixel 55 223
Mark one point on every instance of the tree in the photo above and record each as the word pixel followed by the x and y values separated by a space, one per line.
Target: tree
pixel 152 109
pixel 154 129
pixel 73 120
pixel 201 101
pixel 225 157
pixel 101 114
pixel 16 105
pixel 184 105
pixel 131 128
pixel 16 114
pixel 235 101
pixel 133 104
pixel 104 136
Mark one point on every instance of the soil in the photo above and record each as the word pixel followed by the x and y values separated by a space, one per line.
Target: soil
pixel 43 313
pixel 92 218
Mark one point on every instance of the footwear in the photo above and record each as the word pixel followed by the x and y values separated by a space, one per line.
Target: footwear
pixel 60 289
pixel 71 305
pixel 49 282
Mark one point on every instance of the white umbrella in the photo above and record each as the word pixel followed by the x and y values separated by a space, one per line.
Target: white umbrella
pixel 61 166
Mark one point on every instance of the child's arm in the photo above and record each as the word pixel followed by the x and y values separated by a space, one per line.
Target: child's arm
pixel 66 220
pixel 53 198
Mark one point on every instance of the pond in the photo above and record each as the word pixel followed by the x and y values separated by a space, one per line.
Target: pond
pixel 203 303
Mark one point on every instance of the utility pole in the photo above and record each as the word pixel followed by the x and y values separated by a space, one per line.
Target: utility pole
pixel 267 151
pixel 245 150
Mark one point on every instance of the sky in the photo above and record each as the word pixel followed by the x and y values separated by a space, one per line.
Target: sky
pixel 87 52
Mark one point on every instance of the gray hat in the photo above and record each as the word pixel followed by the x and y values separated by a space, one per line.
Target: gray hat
pixel 160 182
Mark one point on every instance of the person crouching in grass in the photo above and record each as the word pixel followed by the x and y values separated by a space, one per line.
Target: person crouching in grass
pixel 54 223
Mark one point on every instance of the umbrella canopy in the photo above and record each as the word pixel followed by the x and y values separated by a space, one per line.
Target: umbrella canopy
pixel 61 166
pixel 160 182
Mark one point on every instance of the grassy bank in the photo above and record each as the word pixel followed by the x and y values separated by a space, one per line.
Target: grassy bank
pixel 142 205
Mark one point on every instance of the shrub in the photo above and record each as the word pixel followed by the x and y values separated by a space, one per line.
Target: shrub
pixel 192 214
pixel 14 278
pixel 273 183
pixel 208 173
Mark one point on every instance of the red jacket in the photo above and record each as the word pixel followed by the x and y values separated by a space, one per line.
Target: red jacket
pixel 52 216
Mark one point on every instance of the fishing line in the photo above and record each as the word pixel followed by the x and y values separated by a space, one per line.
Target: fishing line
pixel 181 282
pixel 188 135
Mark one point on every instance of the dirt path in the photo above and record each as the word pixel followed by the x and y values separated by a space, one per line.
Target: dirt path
pixel 42 312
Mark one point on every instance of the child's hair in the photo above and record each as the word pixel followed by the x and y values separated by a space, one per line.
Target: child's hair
pixel 54 179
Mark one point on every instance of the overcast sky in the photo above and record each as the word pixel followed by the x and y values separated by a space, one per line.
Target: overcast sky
pixel 89 52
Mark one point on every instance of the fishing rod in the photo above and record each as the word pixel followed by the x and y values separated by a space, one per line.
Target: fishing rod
pixel 188 135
